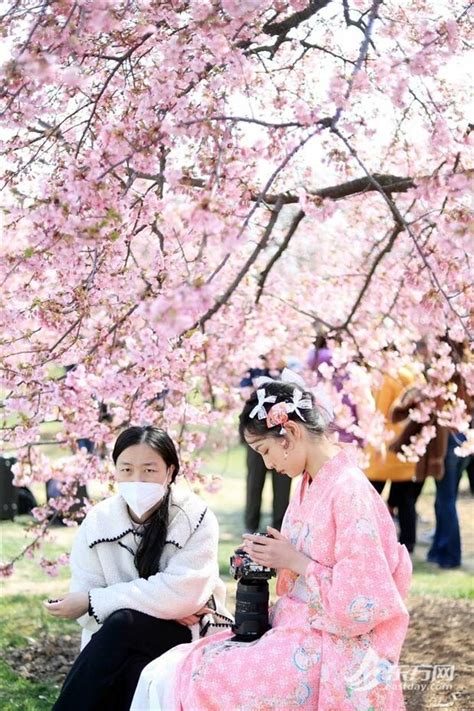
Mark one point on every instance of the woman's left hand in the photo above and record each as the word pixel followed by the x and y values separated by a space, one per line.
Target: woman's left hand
pixel 191 620
pixel 275 552
pixel 70 607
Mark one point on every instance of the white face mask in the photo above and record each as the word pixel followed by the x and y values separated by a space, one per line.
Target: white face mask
pixel 141 496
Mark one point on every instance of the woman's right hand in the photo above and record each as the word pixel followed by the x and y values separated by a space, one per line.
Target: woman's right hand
pixel 193 619
pixel 70 607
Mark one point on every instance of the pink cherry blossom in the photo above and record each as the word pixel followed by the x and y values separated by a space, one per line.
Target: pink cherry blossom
pixel 184 182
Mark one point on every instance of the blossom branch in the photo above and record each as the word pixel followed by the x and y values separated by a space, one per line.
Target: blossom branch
pixel 283 246
pixel 373 14
pixel 388 183
pixel 294 20
pixel 107 81
pixel 401 220
pixel 397 229
pixel 235 283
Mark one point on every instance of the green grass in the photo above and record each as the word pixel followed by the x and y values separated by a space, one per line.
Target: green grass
pixel 17 694
pixel 24 617
pixel 28 578
pixel 428 579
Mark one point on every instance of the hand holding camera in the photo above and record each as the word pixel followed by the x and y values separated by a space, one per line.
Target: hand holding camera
pixel 252 596
pixel 274 551
pixel 253 565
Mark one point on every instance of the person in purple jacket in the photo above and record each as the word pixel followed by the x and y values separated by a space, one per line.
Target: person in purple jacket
pixel 321 353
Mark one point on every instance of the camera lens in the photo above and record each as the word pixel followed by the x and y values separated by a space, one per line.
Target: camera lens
pixel 251 610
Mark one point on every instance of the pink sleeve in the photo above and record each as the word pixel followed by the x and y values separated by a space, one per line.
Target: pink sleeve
pixel 359 592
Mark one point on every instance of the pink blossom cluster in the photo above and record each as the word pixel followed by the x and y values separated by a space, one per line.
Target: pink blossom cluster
pixel 187 185
pixel 51 567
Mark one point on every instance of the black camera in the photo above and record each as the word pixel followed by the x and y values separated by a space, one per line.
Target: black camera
pixel 251 607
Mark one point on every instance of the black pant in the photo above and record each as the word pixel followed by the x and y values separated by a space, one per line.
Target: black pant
pixel 417 487
pixel 403 495
pixel 256 473
pixel 105 674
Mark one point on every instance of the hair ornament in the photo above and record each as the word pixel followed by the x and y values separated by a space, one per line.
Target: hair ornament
pixel 259 408
pixel 299 401
pixel 278 415
pixel 278 412
pixel 286 376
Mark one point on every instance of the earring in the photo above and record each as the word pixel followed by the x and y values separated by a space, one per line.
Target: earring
pixel 285 454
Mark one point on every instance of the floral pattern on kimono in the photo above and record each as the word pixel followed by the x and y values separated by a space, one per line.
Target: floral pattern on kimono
pixel 337 631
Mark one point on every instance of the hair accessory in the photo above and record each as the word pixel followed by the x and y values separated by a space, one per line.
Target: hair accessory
pixel 286 376
pixel 299 402
pixel 278 415
pixel 278 412
pixel 259 408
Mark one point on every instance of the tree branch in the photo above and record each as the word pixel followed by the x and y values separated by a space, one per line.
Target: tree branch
pixel 398 217
pixel 120 61
pixel 232 287
pixel 263 277
pixel 310 45
pixel 364 48
pixel 398 228
pixel 278 28
pixel 248 119
pixel 387 183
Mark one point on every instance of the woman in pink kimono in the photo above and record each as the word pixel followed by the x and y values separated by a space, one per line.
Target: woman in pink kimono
pixel 338 626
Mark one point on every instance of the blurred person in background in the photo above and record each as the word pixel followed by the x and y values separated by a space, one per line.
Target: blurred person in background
pixel 440 461
pixel 269 366
pixel 386 466
pixel 321 354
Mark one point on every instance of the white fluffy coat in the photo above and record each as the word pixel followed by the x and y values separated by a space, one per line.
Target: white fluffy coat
pixel 102 564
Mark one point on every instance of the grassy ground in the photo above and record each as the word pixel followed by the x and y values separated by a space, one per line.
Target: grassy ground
pixel 24 619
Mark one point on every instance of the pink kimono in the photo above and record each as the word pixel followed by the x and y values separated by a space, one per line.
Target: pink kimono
pixel 336 633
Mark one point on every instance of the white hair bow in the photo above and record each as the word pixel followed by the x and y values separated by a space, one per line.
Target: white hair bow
pixel 299 402
pixel 259 408
pixel 286 376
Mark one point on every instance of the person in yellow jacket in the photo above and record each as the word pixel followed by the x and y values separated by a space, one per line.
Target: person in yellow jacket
pixel 386 466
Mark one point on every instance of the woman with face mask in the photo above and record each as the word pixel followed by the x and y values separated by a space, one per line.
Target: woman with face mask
pixel 144 575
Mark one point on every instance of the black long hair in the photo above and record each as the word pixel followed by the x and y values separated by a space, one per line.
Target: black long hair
pixel 315 419
pixel 150 548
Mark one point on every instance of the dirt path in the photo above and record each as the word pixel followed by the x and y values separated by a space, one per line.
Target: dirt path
pixel 438 657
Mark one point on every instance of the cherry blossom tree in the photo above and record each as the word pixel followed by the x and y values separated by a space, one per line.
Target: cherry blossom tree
pixel 184 179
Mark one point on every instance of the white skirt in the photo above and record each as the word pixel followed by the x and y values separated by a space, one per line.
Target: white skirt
pixel 156 686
